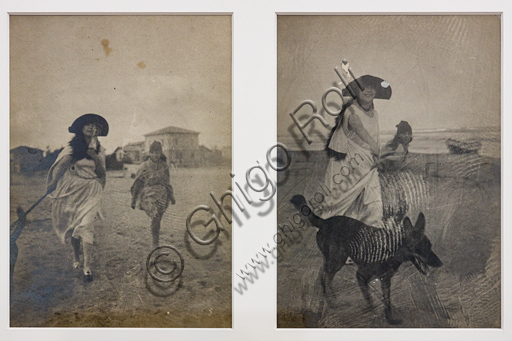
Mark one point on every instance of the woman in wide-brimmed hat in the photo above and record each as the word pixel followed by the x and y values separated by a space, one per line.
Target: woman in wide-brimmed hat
pixel 151 188
pixel 76 181
pixel 353 148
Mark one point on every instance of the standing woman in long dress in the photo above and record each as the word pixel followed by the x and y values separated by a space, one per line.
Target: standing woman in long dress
pixel 353 149
pixel 76 181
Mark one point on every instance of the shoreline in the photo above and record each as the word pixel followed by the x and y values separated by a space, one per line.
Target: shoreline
pixel 473 167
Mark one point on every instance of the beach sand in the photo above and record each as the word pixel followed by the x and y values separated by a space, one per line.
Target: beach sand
pixel 461 200
pixel 48 292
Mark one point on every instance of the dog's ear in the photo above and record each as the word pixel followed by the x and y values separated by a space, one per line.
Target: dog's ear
pixel 413 234
pixel 420 224
pixel 407 224
pixel 418 232
pixel 409 232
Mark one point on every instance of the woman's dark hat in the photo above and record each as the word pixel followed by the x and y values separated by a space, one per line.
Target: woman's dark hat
pixel 382 87
pixel 155 147
pixel 88 119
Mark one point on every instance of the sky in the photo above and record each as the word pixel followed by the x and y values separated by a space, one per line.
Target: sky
pixel 142 73
pixel 444 71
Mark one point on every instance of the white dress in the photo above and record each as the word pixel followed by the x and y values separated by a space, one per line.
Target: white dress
pixel 76 200
pixel 353 187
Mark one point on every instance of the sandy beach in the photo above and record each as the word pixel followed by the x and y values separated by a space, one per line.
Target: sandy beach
pixel 48 292
pixel 462 205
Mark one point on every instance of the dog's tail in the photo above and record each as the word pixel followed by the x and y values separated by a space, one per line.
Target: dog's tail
pixel 301 205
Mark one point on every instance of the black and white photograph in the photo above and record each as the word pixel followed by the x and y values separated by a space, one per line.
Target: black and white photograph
pixel 120 156
pixel 389 195
pixel 240 170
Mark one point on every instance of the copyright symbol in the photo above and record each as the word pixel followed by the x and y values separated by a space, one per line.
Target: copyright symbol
pixel 164 263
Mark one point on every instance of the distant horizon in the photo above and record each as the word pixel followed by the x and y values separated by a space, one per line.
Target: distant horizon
pixel 425 130
pixel 108 151
pixel 425 141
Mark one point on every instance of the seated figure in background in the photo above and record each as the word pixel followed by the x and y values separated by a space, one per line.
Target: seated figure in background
pixel 394 153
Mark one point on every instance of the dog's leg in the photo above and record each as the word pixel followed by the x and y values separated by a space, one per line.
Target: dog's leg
pixel 363 285
pixel 323 292
pixel 331 267
pixel 320 288
pixel 386 292
pixel 313 316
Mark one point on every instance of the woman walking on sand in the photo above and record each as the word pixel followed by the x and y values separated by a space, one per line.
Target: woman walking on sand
pixel 152 189
pixel 76 181
pixel 353 149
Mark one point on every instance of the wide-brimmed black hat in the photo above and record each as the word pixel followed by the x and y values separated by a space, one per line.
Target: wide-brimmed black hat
pixel 382 88
pixel 79 123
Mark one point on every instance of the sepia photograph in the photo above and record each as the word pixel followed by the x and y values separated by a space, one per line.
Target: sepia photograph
pixel 389 197
pixel 120 155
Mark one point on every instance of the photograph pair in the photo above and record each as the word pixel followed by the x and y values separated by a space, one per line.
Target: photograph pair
pixel 385 180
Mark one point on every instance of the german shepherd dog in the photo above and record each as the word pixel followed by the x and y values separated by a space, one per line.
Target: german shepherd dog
pixel 377 252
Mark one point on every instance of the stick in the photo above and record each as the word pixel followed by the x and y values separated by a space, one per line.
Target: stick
pixel 24 215
pixel 355 79
pixel 37 203
pixel 345 83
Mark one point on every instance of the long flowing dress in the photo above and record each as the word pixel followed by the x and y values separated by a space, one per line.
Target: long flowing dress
pixel 76 200
pixel 154 196
pixel 353 182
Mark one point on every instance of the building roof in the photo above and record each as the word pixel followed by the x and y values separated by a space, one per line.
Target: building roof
pixel 171 130
pixel 134 144
pixel 25 150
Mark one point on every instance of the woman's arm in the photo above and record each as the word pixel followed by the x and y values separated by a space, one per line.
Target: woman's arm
pixel 406 149
pixel 166 174
pixel 101 172
pixel 58 171
pixel 357 126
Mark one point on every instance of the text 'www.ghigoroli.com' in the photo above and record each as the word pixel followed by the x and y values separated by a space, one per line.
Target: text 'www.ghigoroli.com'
pixel 268 186
pixel 349 174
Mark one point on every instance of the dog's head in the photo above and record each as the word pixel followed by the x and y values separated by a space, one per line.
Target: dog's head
pixel 419 246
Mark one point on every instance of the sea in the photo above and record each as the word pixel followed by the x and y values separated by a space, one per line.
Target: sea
pixel 427 141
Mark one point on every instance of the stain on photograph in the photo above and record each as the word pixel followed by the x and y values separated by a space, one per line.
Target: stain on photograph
pixel 389 209
pixel 120 148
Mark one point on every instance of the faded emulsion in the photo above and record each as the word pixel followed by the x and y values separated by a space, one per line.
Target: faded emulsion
pixel 124 258
pixel 378 236
pixel 264 186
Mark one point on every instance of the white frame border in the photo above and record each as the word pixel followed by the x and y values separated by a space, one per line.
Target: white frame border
pixel 254 130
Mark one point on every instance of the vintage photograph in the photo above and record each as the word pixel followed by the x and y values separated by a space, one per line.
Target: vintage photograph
pixel 389 197
pixel 120 155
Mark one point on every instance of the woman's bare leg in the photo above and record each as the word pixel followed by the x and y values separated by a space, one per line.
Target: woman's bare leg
pixel 76 251
pixel 155 230
pixel 87 260
pixel 87 255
